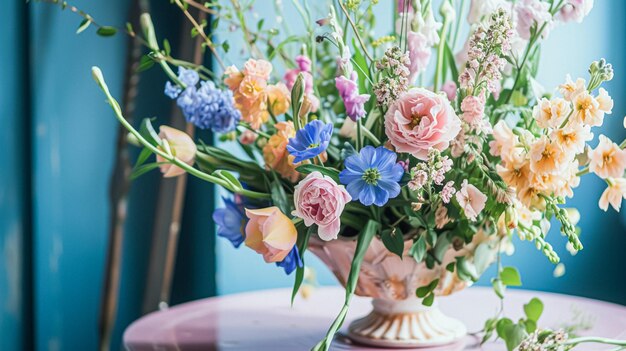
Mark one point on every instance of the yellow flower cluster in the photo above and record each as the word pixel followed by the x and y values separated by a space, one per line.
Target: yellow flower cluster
pixel 546 163
pixel 254 97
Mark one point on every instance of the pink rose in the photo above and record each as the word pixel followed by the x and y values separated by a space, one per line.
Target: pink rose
pixel 420 120
pixel 270 233
pixel 319 200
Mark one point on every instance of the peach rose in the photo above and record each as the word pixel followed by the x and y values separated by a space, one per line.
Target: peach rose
pixel 319 200
pixel 270 233
pixel 182 147
pixel 420 120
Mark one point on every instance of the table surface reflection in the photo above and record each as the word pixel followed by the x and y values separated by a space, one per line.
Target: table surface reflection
pixel 264 320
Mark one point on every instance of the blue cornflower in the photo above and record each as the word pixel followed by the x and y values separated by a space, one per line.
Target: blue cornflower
pixel 172 91
pixel 310 141
pixel 291 261
pixel 372 175
pixel 230 222
pixel 188 77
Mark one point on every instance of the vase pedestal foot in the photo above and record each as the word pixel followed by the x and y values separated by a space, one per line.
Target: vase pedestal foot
pixel 405 324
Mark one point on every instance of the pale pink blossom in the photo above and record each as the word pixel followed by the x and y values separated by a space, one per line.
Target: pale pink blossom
pixel 613 194
pixel 449 88
pixel 480 9
pixel 447 192
pixel 551 113
pixel 608 160
pixel 319 200
pixel 180 145
pixel 575 10
pixel 420 120
pixel 248 137
pixel 419 54
pixel 531 13
pixel 471 200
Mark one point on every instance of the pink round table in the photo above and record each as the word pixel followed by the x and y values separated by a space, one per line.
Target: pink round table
pixel 264 320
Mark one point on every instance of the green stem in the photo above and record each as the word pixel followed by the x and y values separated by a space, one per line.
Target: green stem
pixel 98 77
pixel 593 339
pixel 356 31
pixel 439 74
pixel 359 138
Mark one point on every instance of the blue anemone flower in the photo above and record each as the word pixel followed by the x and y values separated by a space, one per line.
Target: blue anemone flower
pixel 291 261
pixel 372 175
pixel 230 222
pixel 310 141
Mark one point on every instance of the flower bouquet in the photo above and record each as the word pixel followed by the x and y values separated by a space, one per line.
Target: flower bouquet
pixel 405 167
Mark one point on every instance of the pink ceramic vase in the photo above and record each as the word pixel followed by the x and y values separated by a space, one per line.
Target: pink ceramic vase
pixel 399 319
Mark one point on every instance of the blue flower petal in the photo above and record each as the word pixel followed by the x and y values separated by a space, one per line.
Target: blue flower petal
pixel 368 195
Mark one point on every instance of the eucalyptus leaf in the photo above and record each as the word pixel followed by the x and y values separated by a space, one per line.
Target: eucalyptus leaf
pixel 106 31
pixel 83 25
pixel 418 250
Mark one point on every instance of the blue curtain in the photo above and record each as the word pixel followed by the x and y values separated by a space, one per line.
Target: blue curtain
pixel 58 140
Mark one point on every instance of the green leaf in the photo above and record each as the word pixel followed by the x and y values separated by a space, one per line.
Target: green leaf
pixel 363 242
pixel 428 301
pixel 418 250
pixel 166 47
pixel 303 243
pixel 441 247
pixel 501 326
pixel 279 196
pixel 394 241
pixel 83 25
pixel 229 177
pixel 143 169
pixel 145 63
pixel 465 270
pixel 259 24
pixel 533 309
pixel 327 171
pixel 514 335
pixel 449 56
pixel 498 287
pixel 510 276
pixel 106 31
pixel 427 289
pixel 147 131
pixel 143 157
pixel 483 256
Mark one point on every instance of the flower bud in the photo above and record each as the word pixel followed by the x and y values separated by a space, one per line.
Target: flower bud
pixel 178 144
